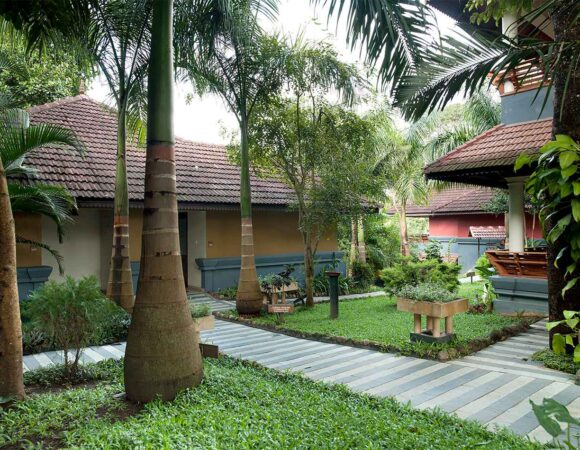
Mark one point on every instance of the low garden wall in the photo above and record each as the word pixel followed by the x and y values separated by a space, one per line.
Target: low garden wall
pixel 520 294
pixel 31 278
pixel 218 273
pixel 468 249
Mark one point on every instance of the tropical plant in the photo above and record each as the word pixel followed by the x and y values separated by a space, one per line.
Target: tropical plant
pixel 426 292
pixel 433 251
pixel 551 414
pixel 162 333
pixel 363 276
pixel 198 311
pixel 222 49
pixel 70 314
pixel 560 341
pixel 17 139
pixel 410 272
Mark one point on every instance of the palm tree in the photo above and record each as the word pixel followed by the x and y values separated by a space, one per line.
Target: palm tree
pixel 223 50
pixel 163 355
pixel 118 41
pixel 17 139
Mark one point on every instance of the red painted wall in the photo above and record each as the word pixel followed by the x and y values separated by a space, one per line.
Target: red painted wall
pixel 458 226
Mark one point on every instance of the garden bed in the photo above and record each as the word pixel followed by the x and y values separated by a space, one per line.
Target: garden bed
pixel 564 363
pixel 376 324
pixel 239 405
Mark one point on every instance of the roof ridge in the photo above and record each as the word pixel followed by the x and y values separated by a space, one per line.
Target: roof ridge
pixel 58 102
pixel 545 119
pixel 462 146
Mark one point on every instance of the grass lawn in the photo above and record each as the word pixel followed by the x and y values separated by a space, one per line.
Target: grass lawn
pixel 239 406
pixel 470 290
pixel 377 319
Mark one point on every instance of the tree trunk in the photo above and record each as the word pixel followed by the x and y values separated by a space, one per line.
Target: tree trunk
pixel 11 383
pixel 405 251
pixel 353 244
pixel 120 286
pixel 249 296
pixel 309 272
pixel 362 250
pixel 566 123
pixel 162 355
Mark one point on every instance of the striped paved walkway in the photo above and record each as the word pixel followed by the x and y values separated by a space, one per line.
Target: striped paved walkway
pixel 492 386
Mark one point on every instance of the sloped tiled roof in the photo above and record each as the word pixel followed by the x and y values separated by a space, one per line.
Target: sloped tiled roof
pixel 204 175
pixel 461 200
pixel 493 152
pixel 487 232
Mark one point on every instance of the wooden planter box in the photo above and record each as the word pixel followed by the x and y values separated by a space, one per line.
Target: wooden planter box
pixel 435 311
pixel 205 323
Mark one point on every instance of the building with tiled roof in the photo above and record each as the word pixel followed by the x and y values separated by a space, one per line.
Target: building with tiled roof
pixel 208 199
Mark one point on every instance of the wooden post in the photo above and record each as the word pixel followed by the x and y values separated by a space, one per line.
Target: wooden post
pixel 417 323
pixel 436 323
pixel 429 323
pixel 449 325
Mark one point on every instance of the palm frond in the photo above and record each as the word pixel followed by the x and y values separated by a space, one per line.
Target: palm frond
pixel 54 202
pixel 56 255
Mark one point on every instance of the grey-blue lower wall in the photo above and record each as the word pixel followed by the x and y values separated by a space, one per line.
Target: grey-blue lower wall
pixel 467 249
pixel 218 273
pixel 31 278
pixel 520 294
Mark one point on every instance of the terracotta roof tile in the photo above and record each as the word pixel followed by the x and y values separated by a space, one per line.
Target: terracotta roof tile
pixel 460 200
pixel 204 174
pixel 499 146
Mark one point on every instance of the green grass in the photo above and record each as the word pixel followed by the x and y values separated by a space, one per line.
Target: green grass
pixel 241 406
pixel 470 290
pixel 563 363
pixel 377 319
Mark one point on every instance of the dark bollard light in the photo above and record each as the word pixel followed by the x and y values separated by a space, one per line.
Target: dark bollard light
pixel 333 291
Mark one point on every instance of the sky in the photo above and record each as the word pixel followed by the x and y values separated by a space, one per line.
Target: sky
pixel 205 119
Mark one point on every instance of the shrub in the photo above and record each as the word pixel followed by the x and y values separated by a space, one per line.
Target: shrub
pixel 410 272
pixel 229 292
pixel 426 292
pixel 320 283
pixel 483 267
pixel 363 276
pixel 433 251
pixel 71 315
pixel 199 310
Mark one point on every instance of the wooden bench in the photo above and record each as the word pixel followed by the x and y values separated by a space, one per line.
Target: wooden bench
pixel 519 264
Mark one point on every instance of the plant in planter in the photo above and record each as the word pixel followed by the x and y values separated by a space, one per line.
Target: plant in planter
pixel 202 316
pixel 436 303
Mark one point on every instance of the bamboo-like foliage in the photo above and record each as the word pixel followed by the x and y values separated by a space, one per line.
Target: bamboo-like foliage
pixel 222 49
pixel 163 355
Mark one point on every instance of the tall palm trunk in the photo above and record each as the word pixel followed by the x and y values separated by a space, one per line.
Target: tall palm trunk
pixel 11 383
pixel 162 355
pixel 353 244
pixel 309 271
pixel 405 251
pixel 120 286
pixel 249 296
pixel 566 28
pixel 362 249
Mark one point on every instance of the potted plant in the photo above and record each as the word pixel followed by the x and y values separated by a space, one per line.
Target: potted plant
pixel 202 317
pixel 436 303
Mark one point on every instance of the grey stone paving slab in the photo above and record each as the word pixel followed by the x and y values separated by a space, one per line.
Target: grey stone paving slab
pixel 366 358
pixel 305 360
pixel 305 349
pixel 391 375
pixel 404 387
pixel 335 359
pixel 475 393
pixel 370 371
pixel 504 403
pixel 446 387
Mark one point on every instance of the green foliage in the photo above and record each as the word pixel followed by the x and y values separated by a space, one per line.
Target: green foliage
pixel 241 406
pixel 377 319
pixel 382 240
pixel 483 267
pixel 229 292
pixel 363 276
pixel 320 283
pixel 71 315
pixel 557 361
pixel 199 310
pixel 410 272
pixel 555 183
pixel 426 292
pixel 485 10
pixel 53 376
pixel 561 341
pixel 550 414
pixel 433 251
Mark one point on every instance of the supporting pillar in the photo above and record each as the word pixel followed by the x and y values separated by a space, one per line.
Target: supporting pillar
pixel 517 222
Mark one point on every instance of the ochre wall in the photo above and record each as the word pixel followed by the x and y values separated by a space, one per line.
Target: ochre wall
pixel 458 226
pixel 275 232
pixel 28 226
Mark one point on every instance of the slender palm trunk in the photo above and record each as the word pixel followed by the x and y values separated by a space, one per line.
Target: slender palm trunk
pixel 162 355
pixel 309 271
pixel 362 249
pixel 11 383
pixel 249 296
pixel 405 251
pixel 566 28
pixel 120 286
pixel 353 244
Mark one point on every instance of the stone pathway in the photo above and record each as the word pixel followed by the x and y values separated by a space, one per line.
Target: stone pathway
pixel 492 386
